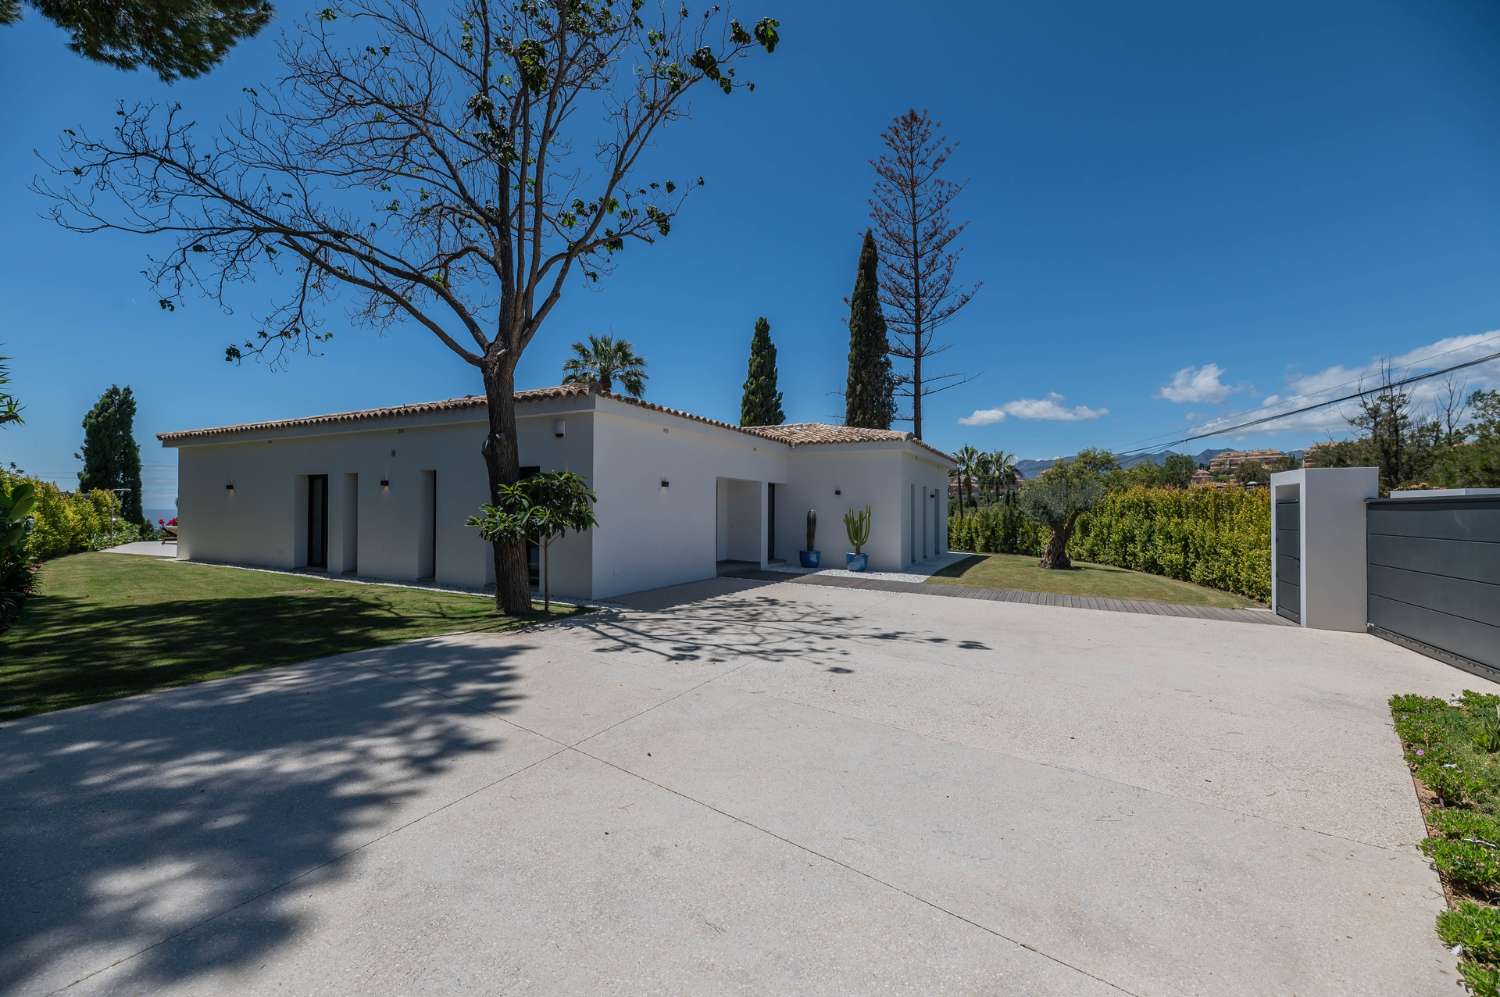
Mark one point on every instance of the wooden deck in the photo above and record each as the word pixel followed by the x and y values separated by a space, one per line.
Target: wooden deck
pixel 1143 606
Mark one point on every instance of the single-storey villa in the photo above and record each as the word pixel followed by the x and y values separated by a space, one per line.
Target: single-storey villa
pixel 384 493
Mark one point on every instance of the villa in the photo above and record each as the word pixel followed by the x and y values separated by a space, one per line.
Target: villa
pixel 384 493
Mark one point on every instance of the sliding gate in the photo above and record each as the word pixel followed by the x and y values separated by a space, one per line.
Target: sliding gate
pixel 1434 577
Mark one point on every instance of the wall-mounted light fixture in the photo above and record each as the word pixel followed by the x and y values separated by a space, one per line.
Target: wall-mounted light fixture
pixel 665 483
pixel 229 487
pixel 385 485
pixel 560 428
pixel 838 491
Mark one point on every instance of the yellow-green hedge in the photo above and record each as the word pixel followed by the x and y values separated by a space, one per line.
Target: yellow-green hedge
pixel 1221 539
pixel 69 522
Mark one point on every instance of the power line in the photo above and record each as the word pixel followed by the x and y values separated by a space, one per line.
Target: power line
pixel 1419 362
pixel 1313 407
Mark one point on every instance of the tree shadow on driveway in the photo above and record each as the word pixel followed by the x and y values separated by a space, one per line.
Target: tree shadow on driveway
pixel 133 821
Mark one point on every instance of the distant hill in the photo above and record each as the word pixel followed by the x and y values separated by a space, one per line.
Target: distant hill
pixel 1031 468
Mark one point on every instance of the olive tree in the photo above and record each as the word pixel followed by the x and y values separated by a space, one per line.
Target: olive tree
pixel 453 172
pixel 1064 492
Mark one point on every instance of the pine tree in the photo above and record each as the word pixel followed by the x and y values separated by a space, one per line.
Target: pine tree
pixel 111 458
pixel 760 405
pixel 869 398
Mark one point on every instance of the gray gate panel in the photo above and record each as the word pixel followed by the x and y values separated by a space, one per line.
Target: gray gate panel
pixel 1289 560
pixel 1475 641
pixel 1289 600
pixel 1477 601
pixel 1436 519
pixel 1479 562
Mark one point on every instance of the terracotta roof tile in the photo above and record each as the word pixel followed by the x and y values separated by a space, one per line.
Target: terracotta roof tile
pixel 796 434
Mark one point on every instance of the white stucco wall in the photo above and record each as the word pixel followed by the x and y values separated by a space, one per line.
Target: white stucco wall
pixel 834 479
pixel 676 495
pixel 263 521
pixel 1334 564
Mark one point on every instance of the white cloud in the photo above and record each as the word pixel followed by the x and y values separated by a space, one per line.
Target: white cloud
pixel 1050 409
pixel 1197 384
pixel 1339 380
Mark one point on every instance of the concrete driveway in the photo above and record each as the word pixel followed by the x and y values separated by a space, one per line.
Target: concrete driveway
pixel 741 787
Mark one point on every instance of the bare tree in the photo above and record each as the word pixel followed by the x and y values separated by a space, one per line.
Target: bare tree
pixel 1385 414
pixel 918 259
pixel 1449 408
pixel 430 167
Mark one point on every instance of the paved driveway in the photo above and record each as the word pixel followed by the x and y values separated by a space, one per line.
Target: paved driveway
pixel 777 788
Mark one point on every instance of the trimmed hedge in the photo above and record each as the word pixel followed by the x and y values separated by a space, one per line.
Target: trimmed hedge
pixel 70 522
pixel 1212 537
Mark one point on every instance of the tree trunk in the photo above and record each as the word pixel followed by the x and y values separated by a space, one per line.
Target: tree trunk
pixel 1056 554
pixel 502 461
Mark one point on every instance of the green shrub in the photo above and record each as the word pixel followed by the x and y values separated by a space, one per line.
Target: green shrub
pixel 1473 926
pixel 1221 539
pixel 1483 980
pixel 1472 867
pixel 70 522
pixel 1465 824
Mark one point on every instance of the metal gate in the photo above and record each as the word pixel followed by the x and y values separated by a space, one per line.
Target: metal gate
pixel 1434 576
pixel 1289 559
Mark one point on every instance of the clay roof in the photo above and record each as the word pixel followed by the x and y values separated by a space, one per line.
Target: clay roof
pixel 801 434
pixel 792 434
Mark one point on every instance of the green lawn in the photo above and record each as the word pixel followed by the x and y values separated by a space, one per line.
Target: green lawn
pixel 110 625
pixel 1020 571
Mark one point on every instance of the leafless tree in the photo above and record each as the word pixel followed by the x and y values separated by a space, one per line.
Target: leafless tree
pixel 1385 414
pixel 918 258
pixel 1449 409
pixel 451 171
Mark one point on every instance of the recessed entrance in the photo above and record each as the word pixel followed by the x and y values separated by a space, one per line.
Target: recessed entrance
pixel 317 521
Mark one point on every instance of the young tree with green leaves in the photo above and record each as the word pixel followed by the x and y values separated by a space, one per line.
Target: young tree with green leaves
pixel 538 510
pixel 760 404
pixel 171 38
pixel 449 171
pixel 1061 494
pixel 111 458
pixel 602 361
pixel 869 396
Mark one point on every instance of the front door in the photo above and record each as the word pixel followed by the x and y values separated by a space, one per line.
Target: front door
pixel 317 521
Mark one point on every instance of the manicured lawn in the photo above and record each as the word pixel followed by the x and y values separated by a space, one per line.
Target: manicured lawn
pixel 110 625
pixel 1020 571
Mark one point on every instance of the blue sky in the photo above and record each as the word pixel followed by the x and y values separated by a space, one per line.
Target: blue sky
pixel 1284 191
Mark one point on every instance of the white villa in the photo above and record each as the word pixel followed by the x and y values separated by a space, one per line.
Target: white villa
pixel 384 493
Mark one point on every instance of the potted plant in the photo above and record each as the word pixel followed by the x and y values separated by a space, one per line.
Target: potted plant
pixel 811 557
pixel 857 525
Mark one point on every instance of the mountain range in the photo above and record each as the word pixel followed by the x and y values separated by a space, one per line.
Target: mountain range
pixel 1031 468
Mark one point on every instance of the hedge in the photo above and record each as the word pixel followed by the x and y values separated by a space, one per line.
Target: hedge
pixel 1212 537
pixel 70 522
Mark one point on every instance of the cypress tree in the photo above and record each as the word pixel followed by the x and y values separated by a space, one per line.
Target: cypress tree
pixel 760 405
pixel 869 398
pixel 111 458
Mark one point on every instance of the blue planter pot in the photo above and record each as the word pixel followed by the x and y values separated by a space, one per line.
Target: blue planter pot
pixel 857 562
pixel 810 558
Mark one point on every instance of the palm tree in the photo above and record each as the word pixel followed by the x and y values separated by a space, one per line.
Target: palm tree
pixel 1007 476
pixel 984 471
pixel 968 463
pixel 603 360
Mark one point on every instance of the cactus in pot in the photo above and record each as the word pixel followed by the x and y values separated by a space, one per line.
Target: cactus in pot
pixel 857 526
pixel 810 557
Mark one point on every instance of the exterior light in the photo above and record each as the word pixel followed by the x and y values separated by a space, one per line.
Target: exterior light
pixel 665 483
pixel 385 484
pixel 229 487
pixel 838 491
pixel 560 428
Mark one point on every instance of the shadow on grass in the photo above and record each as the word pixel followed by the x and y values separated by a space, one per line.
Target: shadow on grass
pixel 72 651
pixel 135 821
